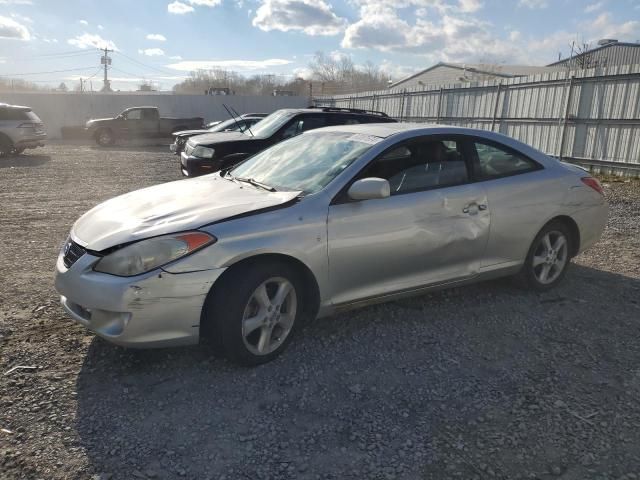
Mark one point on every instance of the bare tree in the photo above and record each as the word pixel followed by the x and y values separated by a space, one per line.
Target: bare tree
pixel 582 56
pixel 338 73
pixel 232 83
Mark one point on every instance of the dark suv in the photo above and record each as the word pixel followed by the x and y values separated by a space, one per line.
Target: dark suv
pixel 216 151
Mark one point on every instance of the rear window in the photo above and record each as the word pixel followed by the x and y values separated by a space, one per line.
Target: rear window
pixel 17 114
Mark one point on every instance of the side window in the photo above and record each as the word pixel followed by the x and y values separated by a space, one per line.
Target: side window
pixel 421 165
pixel 148 114
pixel 294 128
pixel 134 115
pixel 313 121
pixel 494 162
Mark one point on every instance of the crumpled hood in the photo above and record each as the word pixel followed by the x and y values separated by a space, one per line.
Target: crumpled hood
pixel 217 137
pixel 168 208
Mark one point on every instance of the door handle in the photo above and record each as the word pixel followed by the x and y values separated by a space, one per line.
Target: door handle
pixel 473 208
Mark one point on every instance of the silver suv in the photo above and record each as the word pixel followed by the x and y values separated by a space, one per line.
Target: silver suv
pixel 20 129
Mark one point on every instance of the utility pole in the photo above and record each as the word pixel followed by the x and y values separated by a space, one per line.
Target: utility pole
pixel 106 61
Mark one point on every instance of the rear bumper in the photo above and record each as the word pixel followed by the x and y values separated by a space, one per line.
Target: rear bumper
pixel 157 309
pixel 591 223
pixel 31 141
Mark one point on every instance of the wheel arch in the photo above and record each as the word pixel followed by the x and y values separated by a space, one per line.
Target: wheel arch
pixel 573 228
pixel 311 287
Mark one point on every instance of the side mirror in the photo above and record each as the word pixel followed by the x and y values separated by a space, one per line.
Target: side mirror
pixel 369 188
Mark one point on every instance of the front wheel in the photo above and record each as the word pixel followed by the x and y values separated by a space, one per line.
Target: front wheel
pixel 548 257
pixel 105 137
pixel 253 314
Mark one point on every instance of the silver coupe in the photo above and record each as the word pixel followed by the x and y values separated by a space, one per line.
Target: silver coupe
pixel 334 218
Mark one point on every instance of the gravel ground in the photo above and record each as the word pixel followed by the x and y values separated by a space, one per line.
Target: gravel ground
pixel 480 382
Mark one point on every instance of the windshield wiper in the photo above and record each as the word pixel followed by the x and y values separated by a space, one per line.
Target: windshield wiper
pixel 255 183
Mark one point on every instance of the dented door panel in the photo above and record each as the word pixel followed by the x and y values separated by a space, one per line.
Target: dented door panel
pixel 406 241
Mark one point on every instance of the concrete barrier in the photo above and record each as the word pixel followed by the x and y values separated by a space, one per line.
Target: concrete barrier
pixel 57 109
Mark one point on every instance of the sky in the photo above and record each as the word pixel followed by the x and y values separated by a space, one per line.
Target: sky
pixel 53 41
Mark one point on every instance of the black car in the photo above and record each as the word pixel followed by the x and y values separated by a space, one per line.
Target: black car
pixel 215 151
pixel 238 124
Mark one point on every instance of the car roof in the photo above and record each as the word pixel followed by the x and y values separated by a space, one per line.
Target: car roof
pixel 335 110
pixel 384 130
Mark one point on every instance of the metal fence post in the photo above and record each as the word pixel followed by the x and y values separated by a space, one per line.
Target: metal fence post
pixel 566 116
pixel 373 102
pixel 495 106
pixel 438 107
pixel 402 99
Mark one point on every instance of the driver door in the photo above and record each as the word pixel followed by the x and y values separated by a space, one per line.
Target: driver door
pixel 433 229
pixel 132 124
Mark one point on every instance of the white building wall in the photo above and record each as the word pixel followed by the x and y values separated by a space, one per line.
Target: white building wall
pixel 59 110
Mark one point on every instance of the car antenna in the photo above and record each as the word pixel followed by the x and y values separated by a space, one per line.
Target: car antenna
pixel 232 116
pixel 240 116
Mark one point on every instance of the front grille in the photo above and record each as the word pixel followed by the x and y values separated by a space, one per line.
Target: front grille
pixel 72 252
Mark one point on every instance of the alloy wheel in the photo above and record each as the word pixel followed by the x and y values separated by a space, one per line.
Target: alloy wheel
pixel 269 316
pixel 550 257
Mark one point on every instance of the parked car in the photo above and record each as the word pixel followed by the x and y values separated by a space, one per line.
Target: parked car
pixel 209 153
pixel 216 122
pixel 239 124
pixel 331 219
pixel 20 128
pixel 138 122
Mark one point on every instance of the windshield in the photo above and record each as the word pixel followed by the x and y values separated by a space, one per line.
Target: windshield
pixel 306 162
pixel 226 125
pixel 271 124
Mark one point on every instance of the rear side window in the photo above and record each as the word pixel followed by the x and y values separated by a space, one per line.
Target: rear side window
pixel 14 114
pixel 495 162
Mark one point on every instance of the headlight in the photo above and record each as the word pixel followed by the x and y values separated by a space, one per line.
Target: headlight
pixel 147 255
pixel 203 152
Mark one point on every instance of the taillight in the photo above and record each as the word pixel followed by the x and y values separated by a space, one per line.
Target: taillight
pixel 593 183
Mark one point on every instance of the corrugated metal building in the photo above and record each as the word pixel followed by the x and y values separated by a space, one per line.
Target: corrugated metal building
pixel 609 53
pixel 463 74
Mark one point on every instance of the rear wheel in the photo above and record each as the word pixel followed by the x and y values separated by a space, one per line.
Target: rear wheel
pixel 105 137
pixel 19 151
pixel 253 314
pixel 548 258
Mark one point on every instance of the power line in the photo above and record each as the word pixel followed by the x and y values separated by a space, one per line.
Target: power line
pixel 45 73
pixel 126 73
pixel 158 69
pixel 70 52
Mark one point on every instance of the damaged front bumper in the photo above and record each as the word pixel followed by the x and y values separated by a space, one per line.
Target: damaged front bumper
pixel 156 309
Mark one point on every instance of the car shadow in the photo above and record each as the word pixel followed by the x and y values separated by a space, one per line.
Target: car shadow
pixel 420 369
pixel 24 160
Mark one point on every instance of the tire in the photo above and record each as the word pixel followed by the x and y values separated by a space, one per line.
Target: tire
pixel 244 325
pixel 548 258
pixel 104 137
pixel 6 146
pixel 19 151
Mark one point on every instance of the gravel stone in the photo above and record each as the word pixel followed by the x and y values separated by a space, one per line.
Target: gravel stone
pixel 484 381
